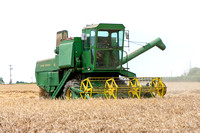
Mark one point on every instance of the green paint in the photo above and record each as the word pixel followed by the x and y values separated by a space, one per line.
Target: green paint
pixel 66 55
pixel 99 54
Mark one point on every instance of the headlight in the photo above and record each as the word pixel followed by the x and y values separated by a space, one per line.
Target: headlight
pixel 88 68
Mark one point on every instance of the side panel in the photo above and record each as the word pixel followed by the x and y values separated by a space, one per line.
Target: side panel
pixel 53 78
pixel 66 55
pixel 41 78
pixel 77 51
pixel 47 80
pixel 47 65
pixel 86 59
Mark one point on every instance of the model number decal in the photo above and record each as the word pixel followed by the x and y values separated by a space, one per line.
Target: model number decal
pixel 45 65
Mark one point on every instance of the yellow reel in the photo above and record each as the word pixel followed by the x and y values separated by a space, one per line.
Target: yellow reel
pixel 86 86
pixel 110 88
pixel 158 87
pixel 135 88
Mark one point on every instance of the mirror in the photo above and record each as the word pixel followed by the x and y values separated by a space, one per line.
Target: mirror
pixel 83 36
pixel 127 34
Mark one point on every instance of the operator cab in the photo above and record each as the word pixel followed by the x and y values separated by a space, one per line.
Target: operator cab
pixel 104 44
pixel 108 50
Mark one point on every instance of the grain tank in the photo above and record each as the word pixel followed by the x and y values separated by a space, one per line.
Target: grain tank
pixel 93 66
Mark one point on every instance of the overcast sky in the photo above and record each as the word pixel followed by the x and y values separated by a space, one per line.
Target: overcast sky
pixel 28 32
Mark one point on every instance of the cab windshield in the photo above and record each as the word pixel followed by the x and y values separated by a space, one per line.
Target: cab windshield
pixel 109 38
pixel 109 49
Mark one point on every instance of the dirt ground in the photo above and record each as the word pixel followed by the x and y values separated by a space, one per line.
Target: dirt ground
pixel 21 110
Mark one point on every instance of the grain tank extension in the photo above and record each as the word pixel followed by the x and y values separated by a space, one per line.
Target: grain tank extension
pixel 93 66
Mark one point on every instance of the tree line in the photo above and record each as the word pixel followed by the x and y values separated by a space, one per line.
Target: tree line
pixel 17 82
pixel 193 75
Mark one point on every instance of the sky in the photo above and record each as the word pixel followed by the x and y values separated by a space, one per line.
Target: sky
pixel 28 32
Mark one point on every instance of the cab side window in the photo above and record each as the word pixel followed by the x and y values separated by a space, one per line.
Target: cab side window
pixel 92 38
pixel 92 45
pixel 87 42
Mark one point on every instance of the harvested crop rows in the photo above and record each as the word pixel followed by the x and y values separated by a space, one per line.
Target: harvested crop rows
pixel 19 91
pixel 21 110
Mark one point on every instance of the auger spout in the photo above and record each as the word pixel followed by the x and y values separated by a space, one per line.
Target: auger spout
pixel 157 42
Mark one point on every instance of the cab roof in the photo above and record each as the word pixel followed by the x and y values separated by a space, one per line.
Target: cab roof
pixel 105 26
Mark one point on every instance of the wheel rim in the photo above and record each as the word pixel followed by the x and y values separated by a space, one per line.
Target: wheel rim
pixel 68 95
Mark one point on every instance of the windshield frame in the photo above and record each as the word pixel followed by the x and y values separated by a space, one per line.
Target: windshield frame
pixel 114 36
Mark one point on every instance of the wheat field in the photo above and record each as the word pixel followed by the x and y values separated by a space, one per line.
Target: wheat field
pixel 21 110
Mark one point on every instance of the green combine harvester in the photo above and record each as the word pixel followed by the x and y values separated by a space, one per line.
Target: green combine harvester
pixel 93 66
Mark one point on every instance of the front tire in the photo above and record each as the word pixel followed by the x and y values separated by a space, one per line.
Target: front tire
pixel 67 94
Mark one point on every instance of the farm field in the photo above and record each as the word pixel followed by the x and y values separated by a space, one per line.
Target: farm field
pixel 21 110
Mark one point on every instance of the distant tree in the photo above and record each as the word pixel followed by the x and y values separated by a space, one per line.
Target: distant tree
pixel 194 72
pixel 192 75
pixel 20 82
pixel 1 80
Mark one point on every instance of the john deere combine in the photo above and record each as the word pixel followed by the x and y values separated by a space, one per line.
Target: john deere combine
pixel 93 66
